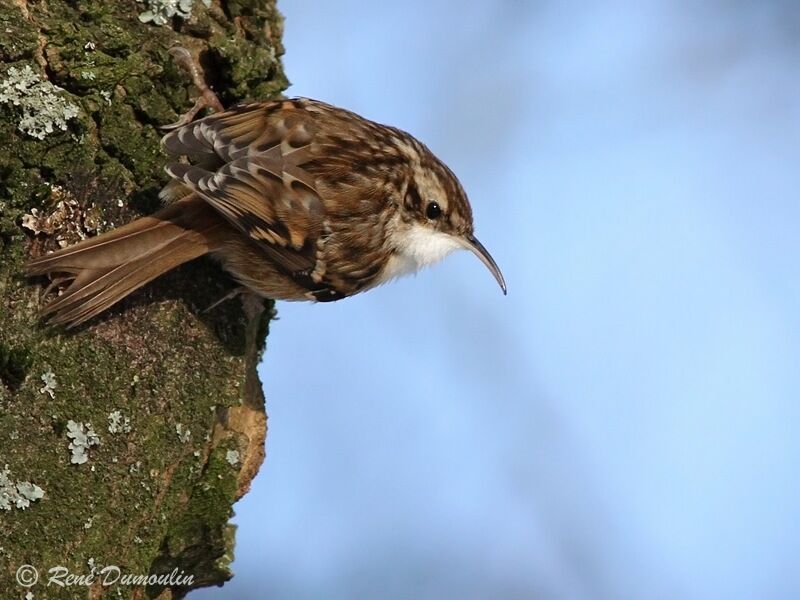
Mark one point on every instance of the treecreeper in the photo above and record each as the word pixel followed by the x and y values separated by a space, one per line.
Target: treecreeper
pixel 297 199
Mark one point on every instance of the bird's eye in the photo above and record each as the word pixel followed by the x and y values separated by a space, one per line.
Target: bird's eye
pixel 433 211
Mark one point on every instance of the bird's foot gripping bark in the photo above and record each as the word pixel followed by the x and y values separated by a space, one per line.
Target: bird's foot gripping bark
pixel 207 98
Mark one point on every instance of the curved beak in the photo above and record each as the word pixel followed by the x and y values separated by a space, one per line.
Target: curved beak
pixel 482 253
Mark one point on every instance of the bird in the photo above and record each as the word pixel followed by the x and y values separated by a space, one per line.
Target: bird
pixel 297 199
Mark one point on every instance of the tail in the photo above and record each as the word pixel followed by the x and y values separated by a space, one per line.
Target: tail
pixel 105 269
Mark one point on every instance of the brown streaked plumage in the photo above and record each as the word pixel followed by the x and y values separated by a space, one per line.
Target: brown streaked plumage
pixel 299 200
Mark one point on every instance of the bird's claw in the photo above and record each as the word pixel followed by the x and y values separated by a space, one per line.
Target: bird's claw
pixel 229 296
pixel 207 98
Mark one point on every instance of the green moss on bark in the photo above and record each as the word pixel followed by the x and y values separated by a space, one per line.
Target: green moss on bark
pixel 148 500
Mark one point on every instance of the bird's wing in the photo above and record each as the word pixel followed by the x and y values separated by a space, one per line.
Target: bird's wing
pixel 261 187
pixel 245 129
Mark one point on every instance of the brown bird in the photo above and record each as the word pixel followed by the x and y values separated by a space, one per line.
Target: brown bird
pixel 298 200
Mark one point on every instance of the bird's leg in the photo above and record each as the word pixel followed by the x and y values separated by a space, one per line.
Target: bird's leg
pixel 252 304
pixel 207 98
pixel 230 295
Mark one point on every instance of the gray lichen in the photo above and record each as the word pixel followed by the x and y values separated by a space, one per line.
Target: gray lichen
pixel 118 423
pixel 50 384
pixel 159 12
pixel 43 109
pixel 83 437
pixel 232 456
pixel 184 434
pixel 17 494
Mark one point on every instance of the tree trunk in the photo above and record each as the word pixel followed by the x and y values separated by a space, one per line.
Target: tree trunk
pixel 123 444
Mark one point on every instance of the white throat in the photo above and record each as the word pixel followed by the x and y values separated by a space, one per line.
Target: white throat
pixel 419 247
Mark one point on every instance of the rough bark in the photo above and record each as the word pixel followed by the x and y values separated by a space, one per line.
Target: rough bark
pixel 158 496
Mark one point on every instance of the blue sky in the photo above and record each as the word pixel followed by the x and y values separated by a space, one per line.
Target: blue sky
pixel 624 423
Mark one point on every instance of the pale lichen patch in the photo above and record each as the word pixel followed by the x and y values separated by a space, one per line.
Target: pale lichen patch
pixel 118 423
pixel 17 494
pixel 50 384
pixel 83 437
pixel 159 12
pixel 68 222
pixel 43 109
pixel 232 456
pixel 184 434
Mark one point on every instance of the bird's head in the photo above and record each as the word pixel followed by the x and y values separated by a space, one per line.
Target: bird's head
pixel 436 218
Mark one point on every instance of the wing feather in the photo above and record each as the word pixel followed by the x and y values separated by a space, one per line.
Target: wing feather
pixel 248 165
